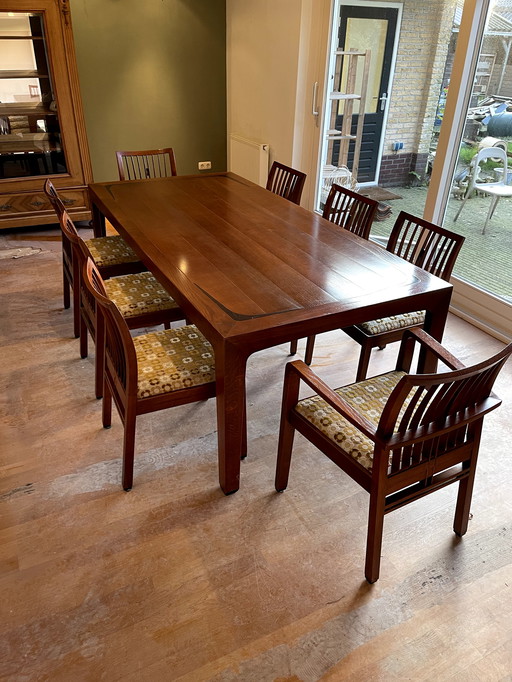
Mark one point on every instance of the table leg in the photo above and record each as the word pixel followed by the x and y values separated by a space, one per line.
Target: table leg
pixel 231 416
pixel 435 322
pixel 98 222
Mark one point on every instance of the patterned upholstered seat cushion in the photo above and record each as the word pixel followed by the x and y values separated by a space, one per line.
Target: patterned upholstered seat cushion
pixel 138 294
pixel 110 251
pixel 388 324
pixel 368 397
pixel 173 359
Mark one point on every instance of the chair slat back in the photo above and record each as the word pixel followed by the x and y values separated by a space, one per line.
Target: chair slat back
pixel 55 200
pixel 120 356
pixel 286 182
pixel 427 416
pixel 142 165
pixel 425 244
pixel 350 210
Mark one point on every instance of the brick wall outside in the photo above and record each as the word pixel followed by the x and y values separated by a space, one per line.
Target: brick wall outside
pixel 423 47
pixel 395 170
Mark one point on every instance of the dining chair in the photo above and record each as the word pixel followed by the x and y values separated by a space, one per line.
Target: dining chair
pixel 286 182
pixel 353 212
pixel 427 246
pixel 400 436
pixel 149 372
pixel 496 189
pixel 139 297
pixel 149 163
pixel 111 254
pixel 350 210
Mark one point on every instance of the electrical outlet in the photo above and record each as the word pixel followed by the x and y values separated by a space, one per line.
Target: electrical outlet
pixel 204 165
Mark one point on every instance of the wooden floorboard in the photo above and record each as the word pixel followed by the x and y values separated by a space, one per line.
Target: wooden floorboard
pixel 175 581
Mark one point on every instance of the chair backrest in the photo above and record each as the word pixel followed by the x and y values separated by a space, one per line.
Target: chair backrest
pixel 425 244
pixel 55 200
pixel 120 356
pixel 430 415
pixel 350 210
pixel 149 163
pixel 496 154
pixel 286 181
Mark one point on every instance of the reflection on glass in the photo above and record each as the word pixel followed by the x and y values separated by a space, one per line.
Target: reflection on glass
pixel 30 138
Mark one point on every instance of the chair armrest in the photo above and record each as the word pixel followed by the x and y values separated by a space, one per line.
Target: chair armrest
pixel 433 346
pixel 333 399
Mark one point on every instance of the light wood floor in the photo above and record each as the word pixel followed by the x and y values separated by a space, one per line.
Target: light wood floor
pixel 175 581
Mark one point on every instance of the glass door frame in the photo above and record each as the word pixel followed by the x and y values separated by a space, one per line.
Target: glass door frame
pixel 482 309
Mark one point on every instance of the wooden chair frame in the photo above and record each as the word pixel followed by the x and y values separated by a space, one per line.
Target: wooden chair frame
pixel 70 270
pixel 427 246
pixel 286 182
pixel 353 212
pixel 433 444
pixel 350 210
pixel 146 164
pixel 91 316
pixel 120 375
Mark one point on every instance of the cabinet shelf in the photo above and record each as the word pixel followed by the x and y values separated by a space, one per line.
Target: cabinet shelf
pixel 23 74
pixel 344 95
pixel 21 38
pixel 25 109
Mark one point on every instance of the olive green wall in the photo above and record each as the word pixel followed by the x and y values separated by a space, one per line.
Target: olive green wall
pixel 152 74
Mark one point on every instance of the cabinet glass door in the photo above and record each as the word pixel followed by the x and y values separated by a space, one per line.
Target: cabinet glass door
pixel 30 135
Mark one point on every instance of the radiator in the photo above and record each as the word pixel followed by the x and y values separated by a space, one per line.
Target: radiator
pixel 249 159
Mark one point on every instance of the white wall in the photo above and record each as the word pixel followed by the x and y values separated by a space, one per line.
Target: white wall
pixel 263 40
pixel 276 51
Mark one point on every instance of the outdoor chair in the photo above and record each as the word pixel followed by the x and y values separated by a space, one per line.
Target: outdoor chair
pixel 398 435
pixel 139 297
pixel 286 182
pixel 353 212
pixel 149 163
pixel 111 254
pixel 496 189
pixel 427 246
pixel 149 372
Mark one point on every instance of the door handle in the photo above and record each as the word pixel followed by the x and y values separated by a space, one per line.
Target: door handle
pixel 383 101
pixel 314 104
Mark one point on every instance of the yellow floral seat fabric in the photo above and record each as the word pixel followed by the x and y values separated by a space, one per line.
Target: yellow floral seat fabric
pixel 173 359
pixel 367 397
pixel 389 324
pixel 138 294
pixel 110 251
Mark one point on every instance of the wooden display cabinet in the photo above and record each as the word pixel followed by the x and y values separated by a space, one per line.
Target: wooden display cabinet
pixel 42 130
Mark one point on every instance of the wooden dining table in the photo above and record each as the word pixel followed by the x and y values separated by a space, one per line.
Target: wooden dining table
pixel 253 270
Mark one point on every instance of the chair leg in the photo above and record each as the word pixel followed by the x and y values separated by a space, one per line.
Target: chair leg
pixel 76 312
pixel 293 346
pixel 99 361
pixel 83 338
pixel 364 361
pixel 374 536
pixel 66 291
pixel 286 430
pixel 106 408
pixel 492 207
pixel 460 522
pixel 310 347
pixel 460 209
pixel 129 448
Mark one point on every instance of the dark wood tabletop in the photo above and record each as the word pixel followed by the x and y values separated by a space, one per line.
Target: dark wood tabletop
pixel 253 270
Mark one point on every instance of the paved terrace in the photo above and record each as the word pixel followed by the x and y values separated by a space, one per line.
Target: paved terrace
pixel 485 260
